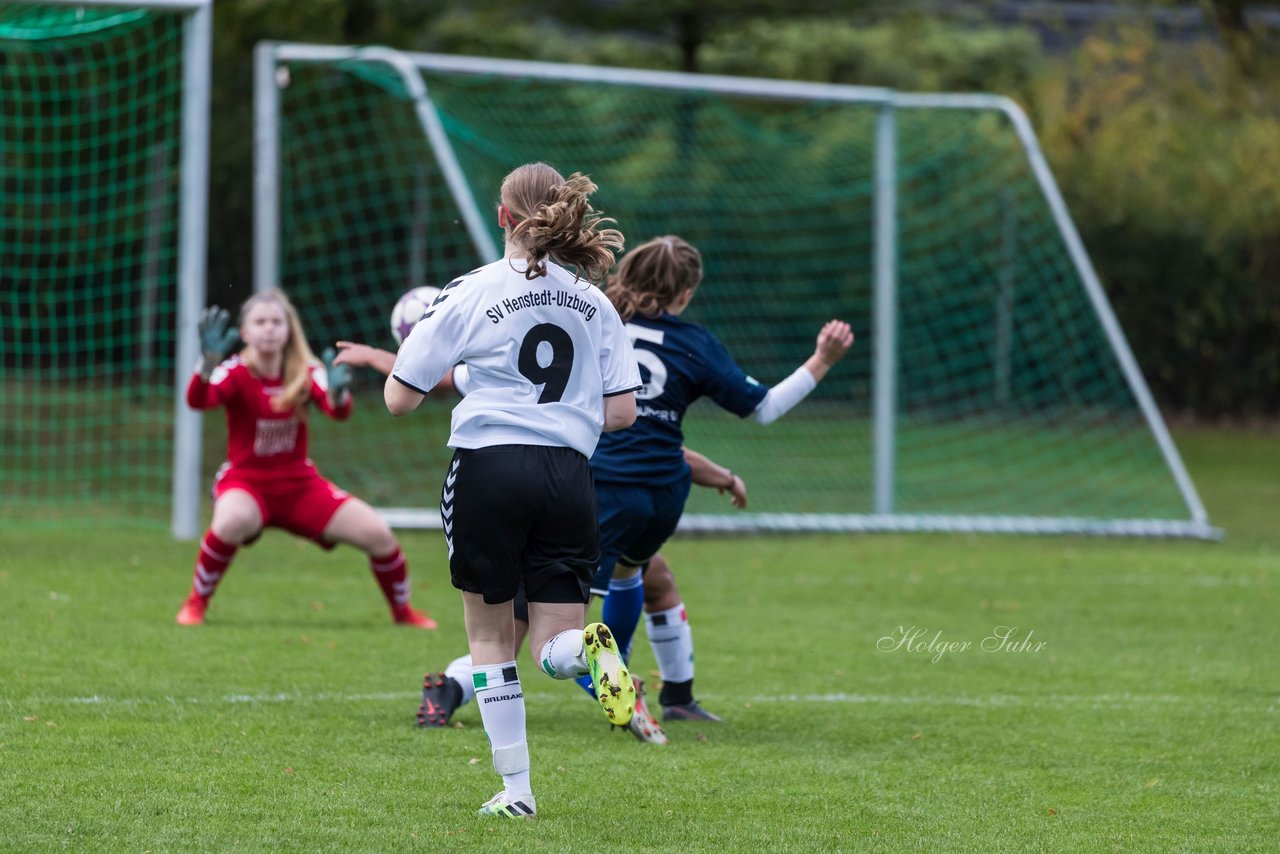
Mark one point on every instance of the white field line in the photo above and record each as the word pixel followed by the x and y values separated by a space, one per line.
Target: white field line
pixel 240 699
pixel 993 701
pixel 1236 581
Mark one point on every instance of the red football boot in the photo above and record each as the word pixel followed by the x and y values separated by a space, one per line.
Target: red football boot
pixel 192 612
pixel 405 615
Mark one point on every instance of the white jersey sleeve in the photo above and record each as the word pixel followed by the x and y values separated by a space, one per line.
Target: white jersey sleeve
pixel 779 400
pixel 433 346
pixel 619 368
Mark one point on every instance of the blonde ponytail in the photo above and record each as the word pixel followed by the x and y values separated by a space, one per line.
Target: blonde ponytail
pixel 552 219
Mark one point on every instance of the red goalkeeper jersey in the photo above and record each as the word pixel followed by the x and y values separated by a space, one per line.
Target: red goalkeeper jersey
pixel 260 439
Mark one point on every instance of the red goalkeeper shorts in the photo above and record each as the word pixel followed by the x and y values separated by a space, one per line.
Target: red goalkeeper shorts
pixel 301 504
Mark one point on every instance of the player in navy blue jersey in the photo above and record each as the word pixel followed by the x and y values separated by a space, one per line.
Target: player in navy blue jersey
pixel 642 479
pixel 550 368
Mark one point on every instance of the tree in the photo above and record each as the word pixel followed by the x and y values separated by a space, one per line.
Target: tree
pixel 1244 42
pixel 686 23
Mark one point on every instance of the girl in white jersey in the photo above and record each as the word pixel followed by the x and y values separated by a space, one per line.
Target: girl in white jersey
pixel 550 367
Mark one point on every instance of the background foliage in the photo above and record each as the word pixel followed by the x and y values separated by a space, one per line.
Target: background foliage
pixel 1164 142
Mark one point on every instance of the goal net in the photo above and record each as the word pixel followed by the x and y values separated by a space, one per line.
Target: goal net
pixel 101 250
pixel 989 388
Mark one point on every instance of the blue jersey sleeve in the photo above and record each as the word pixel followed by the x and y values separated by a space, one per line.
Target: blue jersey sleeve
pixel 726 383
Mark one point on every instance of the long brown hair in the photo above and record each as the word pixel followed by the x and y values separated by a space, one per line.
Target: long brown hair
pixel 296 372
pixel 651 276
pixel 553 219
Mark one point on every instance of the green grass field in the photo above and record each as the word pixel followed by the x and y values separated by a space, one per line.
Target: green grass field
pixel 1148 720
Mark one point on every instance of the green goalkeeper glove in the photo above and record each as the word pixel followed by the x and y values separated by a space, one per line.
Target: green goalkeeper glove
pixel 215 338
pixel 339 375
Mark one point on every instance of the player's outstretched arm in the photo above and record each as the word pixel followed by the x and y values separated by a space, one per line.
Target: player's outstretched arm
pixel 834 340
pixel 715 476
pixel 339 378
pixel 383 361
pixel 215 338
pixel 363 356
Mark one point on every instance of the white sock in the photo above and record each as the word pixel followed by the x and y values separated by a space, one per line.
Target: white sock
pixel 459 670
pixel 565 656
pixel 672 643
pixel 501 700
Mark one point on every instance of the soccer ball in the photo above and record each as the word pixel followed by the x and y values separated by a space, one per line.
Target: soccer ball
pixel 409 309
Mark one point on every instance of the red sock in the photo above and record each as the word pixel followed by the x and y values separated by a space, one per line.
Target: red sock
pixel 211 564
pixel 392 574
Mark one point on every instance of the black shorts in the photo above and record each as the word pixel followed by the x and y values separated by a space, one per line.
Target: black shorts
pixel 518 514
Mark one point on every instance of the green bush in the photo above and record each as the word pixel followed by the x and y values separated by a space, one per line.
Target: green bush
pixel 1170 162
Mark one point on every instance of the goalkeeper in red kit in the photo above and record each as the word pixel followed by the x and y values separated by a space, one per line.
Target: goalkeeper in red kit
pixel 268 480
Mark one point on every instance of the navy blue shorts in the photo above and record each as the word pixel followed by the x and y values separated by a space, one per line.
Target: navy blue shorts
pixel 634 523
